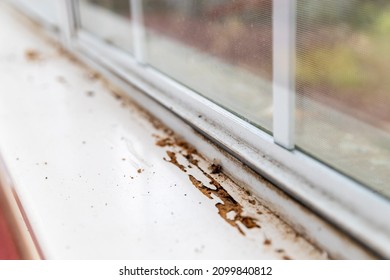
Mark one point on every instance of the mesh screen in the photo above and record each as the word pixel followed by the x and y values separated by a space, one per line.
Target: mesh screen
pixel 343 86
pixel 220 48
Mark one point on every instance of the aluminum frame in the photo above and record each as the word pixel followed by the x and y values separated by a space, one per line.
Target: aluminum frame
pixel 284 30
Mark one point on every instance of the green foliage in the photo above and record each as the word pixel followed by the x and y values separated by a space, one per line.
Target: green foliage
pixel 337 66
pixel 382 23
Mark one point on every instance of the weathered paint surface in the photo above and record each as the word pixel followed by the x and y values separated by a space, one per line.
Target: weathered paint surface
pixel 101 178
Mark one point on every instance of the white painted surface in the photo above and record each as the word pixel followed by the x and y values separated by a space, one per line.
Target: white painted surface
pixel 89 207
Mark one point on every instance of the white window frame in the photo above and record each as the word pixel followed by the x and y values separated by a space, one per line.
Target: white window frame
pixel 349 205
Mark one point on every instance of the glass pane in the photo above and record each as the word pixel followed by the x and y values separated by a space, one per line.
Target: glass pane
pixel 110 20
pixel 220 48
pixel 46 9
pixel 343 85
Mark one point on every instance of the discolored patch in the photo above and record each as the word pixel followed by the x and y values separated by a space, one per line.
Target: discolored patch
pixel 32 55
pixel 229 209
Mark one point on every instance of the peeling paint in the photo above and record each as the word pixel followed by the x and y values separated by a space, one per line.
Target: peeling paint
pixel 229 209
pixel 173 160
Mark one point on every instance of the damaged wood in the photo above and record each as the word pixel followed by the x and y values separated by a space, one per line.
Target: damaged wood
pixel 229 209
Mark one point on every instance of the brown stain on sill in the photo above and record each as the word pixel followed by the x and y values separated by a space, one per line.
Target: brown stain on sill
pixel 229 209
pixel 173 160
pixel 228 205
pixel 32 55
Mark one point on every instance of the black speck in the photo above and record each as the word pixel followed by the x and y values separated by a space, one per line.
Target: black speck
pixel 215 168
pixel 46 178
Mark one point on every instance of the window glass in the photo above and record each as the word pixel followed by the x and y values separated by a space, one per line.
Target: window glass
pixel 110 20
pixel 46 9
pixel 220 48
pixel 343 86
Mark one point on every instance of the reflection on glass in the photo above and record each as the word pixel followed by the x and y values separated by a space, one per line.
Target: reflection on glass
pixel 343 85
pixel 109 20
pixel 220 48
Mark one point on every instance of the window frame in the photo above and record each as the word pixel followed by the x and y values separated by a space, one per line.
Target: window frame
pixel 342 201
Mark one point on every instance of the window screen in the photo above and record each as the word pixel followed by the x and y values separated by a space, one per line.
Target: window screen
pixel 343 86
pixel 222 49
pixel 110 20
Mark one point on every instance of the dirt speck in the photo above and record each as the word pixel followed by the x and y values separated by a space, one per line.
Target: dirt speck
pixel 140 170
pixel 32 55
pixel 92 75
pixel 90 93
pixel 116 94
pixel 61 80
pixel 252 201
pixel 267 241
pixel 215 168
